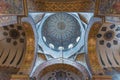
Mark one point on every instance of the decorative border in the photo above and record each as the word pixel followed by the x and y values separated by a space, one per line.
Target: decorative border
pixel 105 77
pixel 59 6
pixel 28 60
pixel 108 8
pixel 92 55
pixel 7 8
pixel 19 77
pixel 96 14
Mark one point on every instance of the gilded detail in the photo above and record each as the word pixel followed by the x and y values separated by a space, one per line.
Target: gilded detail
pixel 93 59
pixel 58 6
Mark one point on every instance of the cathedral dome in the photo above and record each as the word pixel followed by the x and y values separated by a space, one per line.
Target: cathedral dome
pixel 61 31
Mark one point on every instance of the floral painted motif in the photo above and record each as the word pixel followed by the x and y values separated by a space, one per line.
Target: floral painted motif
pixel 108 7
pixel 12 7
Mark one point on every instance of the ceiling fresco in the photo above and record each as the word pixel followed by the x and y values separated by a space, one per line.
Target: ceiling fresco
pixel 93 60
pixel 108 37
pixel 55 42
pixel 107 8
pixel 68 66
pixel 55 5
pixel 61 32
pixel 54 32
pixel 17 7
pixel 61 75
pixel 12 43
pixel 6 20
pixel 12 49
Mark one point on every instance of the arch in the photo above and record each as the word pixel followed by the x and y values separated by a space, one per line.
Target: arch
pixel 76 65
pixel 31 46
pixel 93 27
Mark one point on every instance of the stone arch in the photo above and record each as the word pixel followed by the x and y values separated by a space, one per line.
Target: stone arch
pixel 31 46
pixel 79 67
pixel 93 27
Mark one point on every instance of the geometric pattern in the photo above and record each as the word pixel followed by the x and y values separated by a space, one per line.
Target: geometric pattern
pixel 14 33
pixel 92 53
pixel 62 75
pixel 61 31
pixel 108 45
pixel 55 5
pixel 12 45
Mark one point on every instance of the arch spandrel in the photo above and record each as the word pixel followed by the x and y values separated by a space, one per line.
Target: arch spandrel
pixel 92 54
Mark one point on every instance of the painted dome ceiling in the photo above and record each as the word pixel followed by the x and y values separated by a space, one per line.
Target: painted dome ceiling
pixel 108 45
pixel 12 45
pixel 61 31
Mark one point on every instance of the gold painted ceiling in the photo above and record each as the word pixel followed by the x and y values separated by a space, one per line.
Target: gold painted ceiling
pixel 59 0
pixel 61 5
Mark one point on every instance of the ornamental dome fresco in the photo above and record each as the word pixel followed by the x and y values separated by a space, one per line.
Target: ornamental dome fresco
pixel 61 31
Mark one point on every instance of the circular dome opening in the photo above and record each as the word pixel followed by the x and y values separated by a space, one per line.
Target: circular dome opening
pixel 61 30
